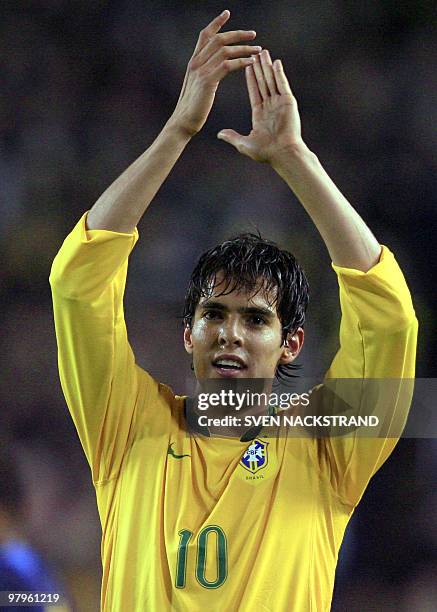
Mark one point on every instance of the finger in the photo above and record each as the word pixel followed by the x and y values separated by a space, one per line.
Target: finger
pixel 260 80
pixel 281 80
pixel 221 40
pixel 267 68
pixel 230 65
pixel 212 28
pixel 233 138
pixel 226 53
pixel 252 87
pixel 233 36
pixel 230 136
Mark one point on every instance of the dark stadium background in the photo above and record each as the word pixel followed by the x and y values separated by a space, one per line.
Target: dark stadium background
pixel 87 85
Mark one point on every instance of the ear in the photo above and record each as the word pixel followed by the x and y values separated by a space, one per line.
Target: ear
pixel 188 339
pixel 292 346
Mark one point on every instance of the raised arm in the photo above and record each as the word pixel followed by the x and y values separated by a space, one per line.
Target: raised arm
pixel 104 388
pixel 216 54
pixel 276 139
pixel 378 329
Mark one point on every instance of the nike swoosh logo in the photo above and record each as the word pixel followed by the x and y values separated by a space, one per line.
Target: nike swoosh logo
pixel 173 454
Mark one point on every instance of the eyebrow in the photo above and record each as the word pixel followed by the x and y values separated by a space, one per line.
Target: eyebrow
pixel 256 310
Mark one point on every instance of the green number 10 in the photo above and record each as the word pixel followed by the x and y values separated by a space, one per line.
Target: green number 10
pixel 221 552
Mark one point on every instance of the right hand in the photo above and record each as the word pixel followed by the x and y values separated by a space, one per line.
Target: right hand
pixel 214 57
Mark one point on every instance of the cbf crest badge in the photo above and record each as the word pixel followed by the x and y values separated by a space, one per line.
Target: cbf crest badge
pixel 255 458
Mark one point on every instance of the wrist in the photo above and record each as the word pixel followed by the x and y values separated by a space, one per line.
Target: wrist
pixel 180 128
pixel 291 156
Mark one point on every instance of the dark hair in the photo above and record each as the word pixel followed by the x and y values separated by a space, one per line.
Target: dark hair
pixel 244 261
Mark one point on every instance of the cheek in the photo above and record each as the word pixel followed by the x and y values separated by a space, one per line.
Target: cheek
pixel 201 333
pixel 268 348
pixel 202 338
pixel 271 339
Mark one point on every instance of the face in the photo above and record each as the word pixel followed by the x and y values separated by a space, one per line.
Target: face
pixel 238 336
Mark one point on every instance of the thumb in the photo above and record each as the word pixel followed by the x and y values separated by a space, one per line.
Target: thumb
pixel 233 138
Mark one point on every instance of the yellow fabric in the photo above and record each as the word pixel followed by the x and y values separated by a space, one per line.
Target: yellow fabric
pixel 271 538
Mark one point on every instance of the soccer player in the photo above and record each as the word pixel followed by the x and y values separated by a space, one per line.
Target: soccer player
pixel 186 525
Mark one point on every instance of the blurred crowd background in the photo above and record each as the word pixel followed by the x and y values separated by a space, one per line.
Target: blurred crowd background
pixel 87 85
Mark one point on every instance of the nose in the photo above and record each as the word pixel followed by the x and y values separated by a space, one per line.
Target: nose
pixel 230 333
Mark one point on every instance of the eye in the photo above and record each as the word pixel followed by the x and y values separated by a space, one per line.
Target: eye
pixel 210 315
pixel 257 320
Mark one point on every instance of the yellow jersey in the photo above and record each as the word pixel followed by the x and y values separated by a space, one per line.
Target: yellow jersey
pixel 187 523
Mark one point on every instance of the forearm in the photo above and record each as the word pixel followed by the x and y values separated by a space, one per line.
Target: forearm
pixel 349 241
pixel 123 204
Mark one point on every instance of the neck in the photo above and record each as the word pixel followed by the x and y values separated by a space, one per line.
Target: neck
pixel 231 411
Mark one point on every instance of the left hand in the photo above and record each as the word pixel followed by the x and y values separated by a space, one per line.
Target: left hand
pixel 275 117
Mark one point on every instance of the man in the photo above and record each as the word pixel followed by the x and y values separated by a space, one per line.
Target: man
pixel 185 524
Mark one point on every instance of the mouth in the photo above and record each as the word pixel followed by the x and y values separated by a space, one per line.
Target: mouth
pixel 229 366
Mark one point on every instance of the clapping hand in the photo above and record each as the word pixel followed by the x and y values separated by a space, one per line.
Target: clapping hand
pixel 276 125
pixel 216 54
